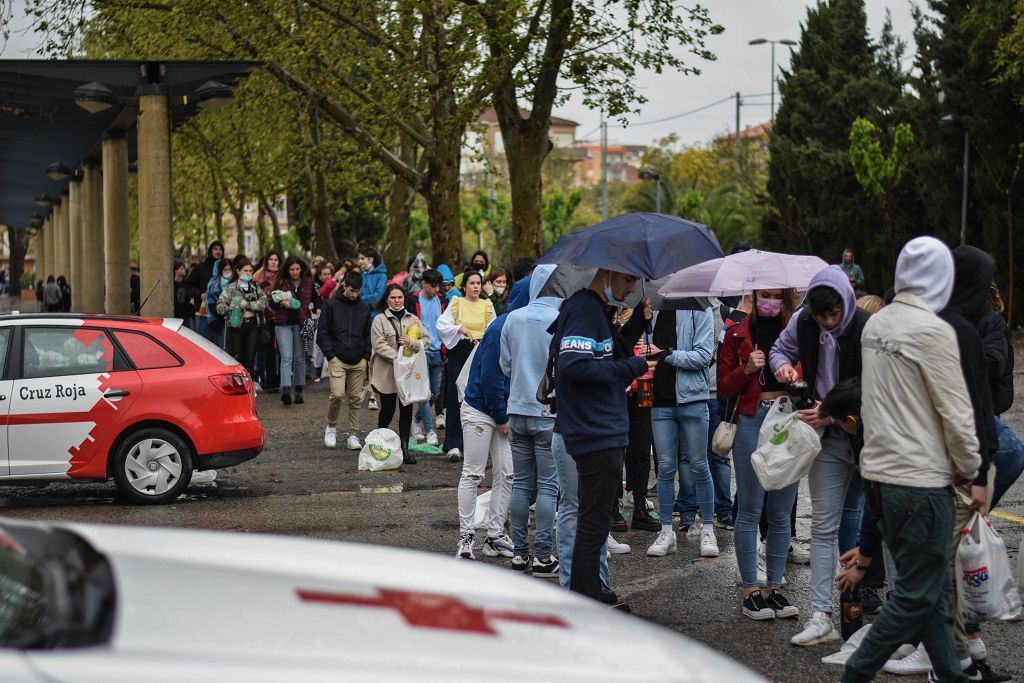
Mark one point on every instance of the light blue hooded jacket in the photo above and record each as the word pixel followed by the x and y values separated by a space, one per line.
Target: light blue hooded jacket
pixel 524 346
pixel 695 347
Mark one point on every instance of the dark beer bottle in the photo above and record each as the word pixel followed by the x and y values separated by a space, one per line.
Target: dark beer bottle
pixel 853 612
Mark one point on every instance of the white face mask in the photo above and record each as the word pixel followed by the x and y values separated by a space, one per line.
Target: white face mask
pixel 499 290
pixel 612 301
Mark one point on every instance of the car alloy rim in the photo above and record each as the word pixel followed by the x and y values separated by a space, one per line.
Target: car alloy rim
pixel 153 466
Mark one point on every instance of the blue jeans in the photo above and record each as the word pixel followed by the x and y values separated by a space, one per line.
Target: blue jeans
pixel 293 355
pixel 721 468
pixel 568 510
pixel 530 438
pixel 829 480
pixel 853 510
pixel 435 369
pixel 1009 461
pixel 681 440
pixel 751 499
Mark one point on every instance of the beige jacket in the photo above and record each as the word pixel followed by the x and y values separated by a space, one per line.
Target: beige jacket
pixel 385 349
pixel 918 420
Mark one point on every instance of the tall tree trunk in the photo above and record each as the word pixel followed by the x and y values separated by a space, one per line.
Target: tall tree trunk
pixel 261 225
pixel 443 181
pixel 238 211
pixel 323 241
pixel 18 243
pixel 525 154
pixel 1012 256
pixel 274 223
pixel 396 248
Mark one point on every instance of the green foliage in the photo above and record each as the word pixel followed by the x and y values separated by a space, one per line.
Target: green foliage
pixel 557 209
pixel 876 172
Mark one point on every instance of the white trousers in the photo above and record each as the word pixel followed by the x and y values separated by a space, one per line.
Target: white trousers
pixel 482 438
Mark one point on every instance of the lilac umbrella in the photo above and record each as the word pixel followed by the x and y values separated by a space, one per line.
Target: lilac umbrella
pixel 741 273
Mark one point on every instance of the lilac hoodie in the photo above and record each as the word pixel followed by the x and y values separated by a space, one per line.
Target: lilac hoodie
pixel 786 348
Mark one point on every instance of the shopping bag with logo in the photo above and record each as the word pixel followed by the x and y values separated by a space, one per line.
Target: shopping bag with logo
pixel 412 378
pixel 786 447
pixel 984 580
pixel 381 451
pixel 463 379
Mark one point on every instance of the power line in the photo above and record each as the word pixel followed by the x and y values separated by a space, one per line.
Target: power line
pixel 678 116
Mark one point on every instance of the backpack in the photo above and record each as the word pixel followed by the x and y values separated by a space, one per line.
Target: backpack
pixel 546 389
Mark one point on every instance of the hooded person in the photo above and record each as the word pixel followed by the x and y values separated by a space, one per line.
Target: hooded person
pixel 853 272
pixel 221 275
pixel 824 337
pixel 199 277
pixel 485 424
pixel 525 344
pixel 974 270
pixel 917 442
pixel 448 288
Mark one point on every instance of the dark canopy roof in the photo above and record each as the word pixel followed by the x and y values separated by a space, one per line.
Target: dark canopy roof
pixel 41 124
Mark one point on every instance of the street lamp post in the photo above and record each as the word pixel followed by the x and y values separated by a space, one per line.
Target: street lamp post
pixel 762 41
pixel 648 174
pixel 947 123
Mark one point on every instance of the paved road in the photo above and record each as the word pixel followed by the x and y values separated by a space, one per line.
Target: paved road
pixel 298 487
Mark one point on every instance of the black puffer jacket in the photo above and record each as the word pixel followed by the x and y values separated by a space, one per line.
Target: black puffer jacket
pixel 344 329
pixel 972 279
pixel 995 339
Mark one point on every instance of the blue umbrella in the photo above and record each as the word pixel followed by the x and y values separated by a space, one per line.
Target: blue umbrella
pixel 648 245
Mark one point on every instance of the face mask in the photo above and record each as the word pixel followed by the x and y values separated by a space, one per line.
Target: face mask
pixel 499 290
pixel 245 278
pixel 397 311
pixel 224 279
pixel 769 308
pixel 610 298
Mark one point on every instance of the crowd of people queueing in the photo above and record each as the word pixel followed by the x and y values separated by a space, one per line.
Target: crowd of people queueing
pixel 908 389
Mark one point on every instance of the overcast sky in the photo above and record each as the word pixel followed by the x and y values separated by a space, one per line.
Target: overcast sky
pixel 739 67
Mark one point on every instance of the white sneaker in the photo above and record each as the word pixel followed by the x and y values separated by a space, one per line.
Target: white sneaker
pixel 455 455
pixel 331 437
pixel 914 664
pixel 204 477
pixel 798 553
pixel 664 544
pixel 439 421
pixel 818 630
pixel 417 432
pixel 979 652
pixel 373 404
pixel 499 546
pixel 432 438
pixel 616 548
pixel 256 388
pixel 353 443
pixel 464 551
pixel 708 544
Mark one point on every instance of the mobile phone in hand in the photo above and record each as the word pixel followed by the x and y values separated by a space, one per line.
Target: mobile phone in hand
pixel 660 355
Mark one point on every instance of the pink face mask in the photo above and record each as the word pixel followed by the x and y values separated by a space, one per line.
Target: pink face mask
pixel 769 308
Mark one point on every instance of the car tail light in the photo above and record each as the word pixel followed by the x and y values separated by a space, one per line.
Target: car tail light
pixel 232 384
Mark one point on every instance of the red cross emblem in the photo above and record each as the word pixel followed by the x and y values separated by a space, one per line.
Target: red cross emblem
pixel 430 610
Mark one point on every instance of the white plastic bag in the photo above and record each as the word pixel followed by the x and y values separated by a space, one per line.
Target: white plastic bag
pixel 463 379
pixel 984 580
pixel 483 508
pixel 412 378
pixel 381 451
pixel 786 447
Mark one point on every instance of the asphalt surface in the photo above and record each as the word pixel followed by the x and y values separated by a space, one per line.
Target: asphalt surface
pixel 298 487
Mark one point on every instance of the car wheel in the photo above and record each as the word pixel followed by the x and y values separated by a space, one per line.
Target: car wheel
pixel 152 466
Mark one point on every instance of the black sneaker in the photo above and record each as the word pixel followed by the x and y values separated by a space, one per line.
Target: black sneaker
pixel 286 396
pixel 756 607
pixel 619 522
pixel 642 518
pixel 545 567
pixel 521 563
pixel 608 597
pixel 298 396
pixel 409 460
pixel 978 671
pixel 778 602
pixel 870 599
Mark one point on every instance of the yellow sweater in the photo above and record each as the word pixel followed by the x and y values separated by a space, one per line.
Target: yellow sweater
pixel 473 315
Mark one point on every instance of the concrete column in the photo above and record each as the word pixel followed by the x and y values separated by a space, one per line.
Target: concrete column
pixel 51 237
pixel 92 241
pixel 40 250
pixel 116 231
pixel 63 239
pixel 75 240
pixel 156 239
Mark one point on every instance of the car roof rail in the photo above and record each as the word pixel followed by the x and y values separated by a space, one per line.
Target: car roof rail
pixel 74 316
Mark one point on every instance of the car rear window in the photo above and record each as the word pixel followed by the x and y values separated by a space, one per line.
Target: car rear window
pixel 208 346
pixel 52 351
pixel 145 352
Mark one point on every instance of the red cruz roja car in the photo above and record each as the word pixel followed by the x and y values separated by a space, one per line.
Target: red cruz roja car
pixel 145 401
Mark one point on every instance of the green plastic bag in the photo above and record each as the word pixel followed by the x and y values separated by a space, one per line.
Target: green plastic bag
pixel 423 448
